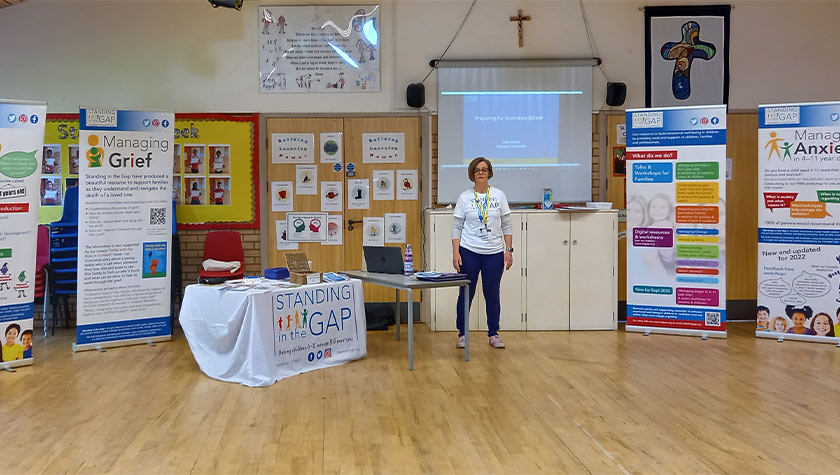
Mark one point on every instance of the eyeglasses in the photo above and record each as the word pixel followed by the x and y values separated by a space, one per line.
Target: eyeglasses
pixel 481 170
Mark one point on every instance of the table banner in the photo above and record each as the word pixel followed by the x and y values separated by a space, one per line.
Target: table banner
pixel 799 222
pixel 125 227
pixel 21 144
pixel 259 336
pixel 676 220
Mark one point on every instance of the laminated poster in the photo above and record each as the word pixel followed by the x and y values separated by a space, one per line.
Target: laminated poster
pixel 282 196
pixel 374 232
pixel 383 185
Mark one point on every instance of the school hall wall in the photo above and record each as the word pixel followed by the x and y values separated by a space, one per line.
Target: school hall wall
pixel 186 56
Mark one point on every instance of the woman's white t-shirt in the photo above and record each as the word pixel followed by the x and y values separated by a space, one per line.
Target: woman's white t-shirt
pixel 473 236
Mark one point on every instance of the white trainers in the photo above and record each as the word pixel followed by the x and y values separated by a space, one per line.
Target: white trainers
pixel 496 341
pixel 461 342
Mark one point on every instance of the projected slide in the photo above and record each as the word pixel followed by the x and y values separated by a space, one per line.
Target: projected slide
pixel 511 128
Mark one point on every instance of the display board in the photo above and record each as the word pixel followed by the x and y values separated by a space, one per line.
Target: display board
pixel 226 175
pixel 21 143
pixel 325 48
pixel 676 220
pixel 125 228
pixel 799 222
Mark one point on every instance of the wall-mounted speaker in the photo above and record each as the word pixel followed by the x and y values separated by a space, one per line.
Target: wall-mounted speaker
pixel 616 93
pixel 415 95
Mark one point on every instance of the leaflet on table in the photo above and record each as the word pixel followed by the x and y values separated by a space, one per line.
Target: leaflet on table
pixel 125 228
pixel 21 148
pixel 799 222
pixel 676 208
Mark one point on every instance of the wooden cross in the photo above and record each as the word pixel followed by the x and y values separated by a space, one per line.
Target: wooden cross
pixel 519 19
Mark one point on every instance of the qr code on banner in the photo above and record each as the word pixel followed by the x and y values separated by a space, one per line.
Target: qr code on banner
pixel 713 319
pixel 157 216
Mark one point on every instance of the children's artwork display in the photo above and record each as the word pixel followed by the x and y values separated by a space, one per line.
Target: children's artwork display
pixel 799 222
pixel 318 49
pixel 213 160
pixel 21 164
pixel 676 220
pixel 125 237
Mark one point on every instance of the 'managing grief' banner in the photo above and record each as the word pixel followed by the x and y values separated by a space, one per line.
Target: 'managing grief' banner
pixel 125 227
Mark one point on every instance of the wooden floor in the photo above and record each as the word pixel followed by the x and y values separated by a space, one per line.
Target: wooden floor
pixel 597 402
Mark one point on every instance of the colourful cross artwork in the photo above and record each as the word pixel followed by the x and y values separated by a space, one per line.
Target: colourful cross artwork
pixel 683 53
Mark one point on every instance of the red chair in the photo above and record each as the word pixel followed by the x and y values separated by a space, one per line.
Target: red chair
pixel 223 246
pixel 42 261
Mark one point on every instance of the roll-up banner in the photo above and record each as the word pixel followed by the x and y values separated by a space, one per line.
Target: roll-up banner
pixel 125 227
pixel 676 220
pixel 21 144
pixel 799 222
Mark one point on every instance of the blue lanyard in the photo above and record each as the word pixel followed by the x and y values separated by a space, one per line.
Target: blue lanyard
pixel 483 212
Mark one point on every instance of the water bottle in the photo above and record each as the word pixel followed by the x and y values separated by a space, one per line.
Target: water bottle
pixel 408 262
pixel 547 202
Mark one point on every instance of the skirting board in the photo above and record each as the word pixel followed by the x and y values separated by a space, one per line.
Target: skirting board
pixel 113 344
pixel 676 331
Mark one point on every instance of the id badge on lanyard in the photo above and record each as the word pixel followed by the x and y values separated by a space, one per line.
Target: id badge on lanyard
pixel 483 213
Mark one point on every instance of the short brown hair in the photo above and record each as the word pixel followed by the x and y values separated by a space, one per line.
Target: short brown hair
pixel 474 163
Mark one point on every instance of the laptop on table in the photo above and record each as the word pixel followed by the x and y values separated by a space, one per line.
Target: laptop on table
pixel 384 259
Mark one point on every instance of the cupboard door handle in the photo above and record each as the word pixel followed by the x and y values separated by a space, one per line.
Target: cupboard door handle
pixel 565 242
pixel 574 242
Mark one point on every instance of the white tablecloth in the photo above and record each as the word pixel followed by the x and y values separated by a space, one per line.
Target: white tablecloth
pixel 257 337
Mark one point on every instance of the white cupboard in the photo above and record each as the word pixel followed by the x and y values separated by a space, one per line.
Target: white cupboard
pixel 563 276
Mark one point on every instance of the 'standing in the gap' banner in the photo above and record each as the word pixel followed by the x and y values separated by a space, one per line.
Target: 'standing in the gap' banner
pixel 21 143
pixel 125 227
pixel 676 220
pixel 799 222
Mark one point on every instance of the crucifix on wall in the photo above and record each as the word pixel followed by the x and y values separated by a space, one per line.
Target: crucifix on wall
pixel 519 19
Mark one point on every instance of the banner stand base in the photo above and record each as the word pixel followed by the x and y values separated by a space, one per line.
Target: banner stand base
pixel 704 334
pixel 781 338
pixel 112 344
pixel 11 365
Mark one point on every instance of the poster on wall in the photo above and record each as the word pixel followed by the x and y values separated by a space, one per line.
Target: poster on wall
pixel 21 154
pixel 406 184
pixel 358 194
pixel 335 231
pixel 331 151
pixel 394 228
pixel 125 239
pixel 306 179
pixel 383 147
pixel 306 227
pixel 676 220
pixel 799 222
pixel 374 231
pixel 292 148
pixel 331 196
pixel 318 49
pixel 283 244
pixel 282 196
pixel 383 185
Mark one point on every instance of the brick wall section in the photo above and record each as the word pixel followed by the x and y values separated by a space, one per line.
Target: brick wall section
pixel 595 158
pixel 192 252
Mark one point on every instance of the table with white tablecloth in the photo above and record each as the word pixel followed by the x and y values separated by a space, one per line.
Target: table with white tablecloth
pixel 258 336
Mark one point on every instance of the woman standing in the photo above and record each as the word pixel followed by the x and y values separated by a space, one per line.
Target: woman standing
pixel 482 242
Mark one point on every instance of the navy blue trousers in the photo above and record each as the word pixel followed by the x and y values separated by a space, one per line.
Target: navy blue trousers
pixel 491 267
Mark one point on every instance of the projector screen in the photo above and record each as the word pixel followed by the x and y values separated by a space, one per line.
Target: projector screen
pixel 534 123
